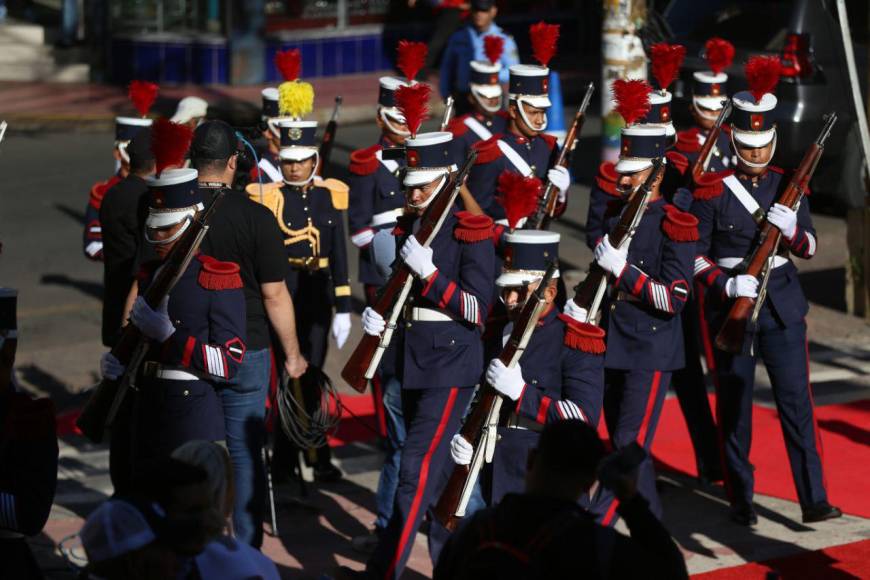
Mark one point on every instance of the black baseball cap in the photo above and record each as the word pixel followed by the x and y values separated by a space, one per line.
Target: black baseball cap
pixel 214 140
pixel 482 5
pixel 139 148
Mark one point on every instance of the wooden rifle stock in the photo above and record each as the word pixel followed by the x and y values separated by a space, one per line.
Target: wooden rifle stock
pixel 488 406
pixel 108 396
pixel 700 165
pixel 588 293
pixel 366 357
pixel 733 334
pixel 540 220
pixel 328 139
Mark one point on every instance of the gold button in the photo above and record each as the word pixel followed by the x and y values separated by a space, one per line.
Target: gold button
pixel 305 208
pixel 654 328
pixel 533 168
pixel 612 307
pixel 534 381
pixel 452 341
pixel 186 392
pixel 407 325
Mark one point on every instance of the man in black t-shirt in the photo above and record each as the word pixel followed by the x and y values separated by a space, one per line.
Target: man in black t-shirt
pixel 122 215
pixel 246 233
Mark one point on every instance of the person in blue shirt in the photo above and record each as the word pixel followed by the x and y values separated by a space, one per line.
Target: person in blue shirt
pixel 466 45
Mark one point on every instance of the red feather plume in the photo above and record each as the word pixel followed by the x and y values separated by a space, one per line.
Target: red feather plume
pixel 544 37
pixel 719 54
pixel 632 99
pixel 519 195
pixel 143 94
pixel 411 57
pixel 493 47
pixel 289 63
pixel 666 61
pixel 413 102
pixel 169 142
pixel 762 74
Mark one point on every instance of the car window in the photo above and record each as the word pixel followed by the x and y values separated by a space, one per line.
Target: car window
pixel 748 24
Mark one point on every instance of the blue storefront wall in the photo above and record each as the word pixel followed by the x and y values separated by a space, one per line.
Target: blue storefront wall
pixel 170 59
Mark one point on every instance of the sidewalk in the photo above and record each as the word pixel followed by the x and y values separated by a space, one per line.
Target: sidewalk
pixel 33 106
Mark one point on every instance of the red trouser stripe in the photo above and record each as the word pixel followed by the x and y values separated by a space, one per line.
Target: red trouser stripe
pixel 409 527
pixel 611 511
pixel 650 407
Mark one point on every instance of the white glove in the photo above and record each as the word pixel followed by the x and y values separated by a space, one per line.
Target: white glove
pixel 506 380
pixel 373 323
pixel 110 367
pixel 155 324
pixel 611 259
pixel 742 285
pixel 341 328
pixel 418 258
pixel 461 451
pixel 784 218
pixel 561 179
pixel 363 238
pixel 575 312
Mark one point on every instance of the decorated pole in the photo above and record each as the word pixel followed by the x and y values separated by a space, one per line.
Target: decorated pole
pixel 623 58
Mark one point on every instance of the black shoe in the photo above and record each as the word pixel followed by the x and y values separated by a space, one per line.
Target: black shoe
pixel 821 512
pixel 744 514
pixel 709 476
pixel 327 473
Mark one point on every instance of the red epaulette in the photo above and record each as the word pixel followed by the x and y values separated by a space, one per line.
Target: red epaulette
pixel 606 178
pixel 678 160
pixel 487 151
pixel 29 419
pixel 472 228
pixel 363 161
pixel 583 336
pixel 680 226
pixel 98 191
pixel 217 275
pixel 503 114
pixel 457 126
pixel 776 169
pixel 550 140
pixel 687 141
pixel 709 185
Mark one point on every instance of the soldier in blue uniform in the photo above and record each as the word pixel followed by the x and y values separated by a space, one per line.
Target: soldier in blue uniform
pixel 486 117
pixel 709 94
pixel 197 332
pixel 268 169
pixel 310 215
pixel 440 349
pixel 524 148
pixel 725 208
pixel 641 315
pixel 560 375
pixel 92 239
pixel 376 199
pixel 28 456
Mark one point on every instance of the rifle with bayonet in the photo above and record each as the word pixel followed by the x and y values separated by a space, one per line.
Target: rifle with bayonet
pixel 589 293
pixel 366 357
pixel 448 113
pixel 328 139
pixel 703 160
pixel 109 395
pixel 481 425
pixel 540 220
pixel 737 333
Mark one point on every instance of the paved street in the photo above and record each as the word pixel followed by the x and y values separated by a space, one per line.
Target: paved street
pixel 46 181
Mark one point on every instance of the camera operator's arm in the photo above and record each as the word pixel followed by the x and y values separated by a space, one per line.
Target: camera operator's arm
pixel 650 552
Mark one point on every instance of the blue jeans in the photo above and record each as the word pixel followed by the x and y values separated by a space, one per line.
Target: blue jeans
pixel 389 479
pixel 244 403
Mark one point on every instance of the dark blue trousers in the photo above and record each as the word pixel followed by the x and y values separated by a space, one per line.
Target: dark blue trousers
pixel 633 401
pixel 432 417
pixel 783 348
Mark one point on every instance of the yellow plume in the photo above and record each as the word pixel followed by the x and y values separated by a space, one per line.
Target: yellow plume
pixel 295 98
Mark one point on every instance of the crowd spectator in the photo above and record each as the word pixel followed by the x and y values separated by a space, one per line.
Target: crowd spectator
pixel 544 533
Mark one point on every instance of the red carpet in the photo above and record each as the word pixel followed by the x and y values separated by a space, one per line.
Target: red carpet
pixel 845 441
pixel 358 421
pixel 837 562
